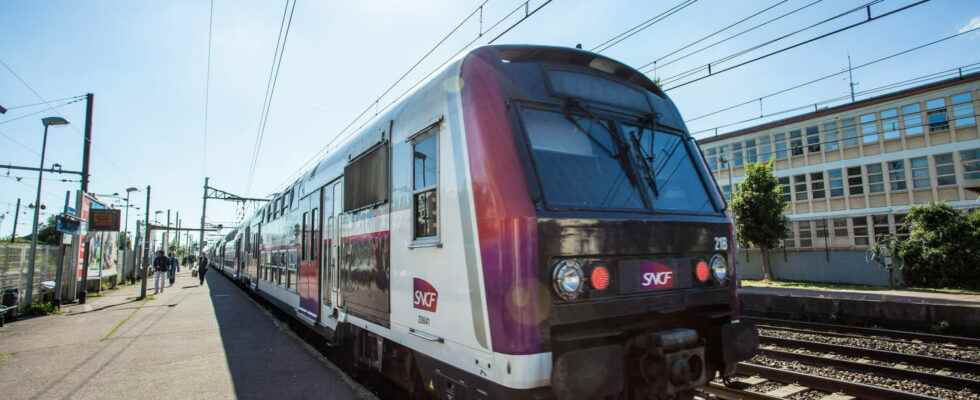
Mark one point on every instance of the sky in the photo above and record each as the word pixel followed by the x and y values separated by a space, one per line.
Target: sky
pixel 147 64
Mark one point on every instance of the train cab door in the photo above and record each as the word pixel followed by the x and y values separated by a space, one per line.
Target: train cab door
pixel 331 201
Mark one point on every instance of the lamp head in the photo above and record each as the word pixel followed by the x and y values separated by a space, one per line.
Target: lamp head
pixel 48 121
pixel 132 189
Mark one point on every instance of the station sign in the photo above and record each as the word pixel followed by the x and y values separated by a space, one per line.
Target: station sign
pixel 104 219
pixel 68 224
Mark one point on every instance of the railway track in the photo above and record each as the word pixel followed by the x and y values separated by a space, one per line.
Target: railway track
pixel 845 362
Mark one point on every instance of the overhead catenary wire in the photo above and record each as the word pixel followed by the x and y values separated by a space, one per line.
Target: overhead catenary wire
pixel 831 75
pixel 710 35
pixel 798 44
pixel 19 106
pixel 22 116
pixel 15 141
pixel 273 79
pixel 700 68
pixel 619 38
pixel 343 133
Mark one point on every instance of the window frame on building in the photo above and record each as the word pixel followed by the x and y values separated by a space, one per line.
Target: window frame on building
pixel 818 190
pixel 796 142
pixel 963 110
pixel 889 124
pixel 751 154
pixel 945 167
pixel 812 138
pixel 786 187
pixel 912 119
pixel 875 176
pixel 835 177
pixel 970 161
pixel 830 134
pixel 804 230
pixel 849 132
pixel 765 147
pixel 934 109
pixel 897 182
pixel 780 145
pixel 798 194
pixel 869 128
pixel 859 231
pixel 919 168
pixel 855 180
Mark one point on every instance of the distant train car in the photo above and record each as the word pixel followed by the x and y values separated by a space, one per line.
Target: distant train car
pixel 531 222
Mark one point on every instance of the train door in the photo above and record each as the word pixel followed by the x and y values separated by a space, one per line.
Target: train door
pixel 309 265
pixel 331 205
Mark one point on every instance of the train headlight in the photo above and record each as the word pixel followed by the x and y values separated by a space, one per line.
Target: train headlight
pixel 719 267
pixel 568 279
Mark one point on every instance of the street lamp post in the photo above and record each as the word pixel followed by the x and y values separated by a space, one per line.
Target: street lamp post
pixel 37 208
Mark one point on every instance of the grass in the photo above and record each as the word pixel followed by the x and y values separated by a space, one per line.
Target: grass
pixel 845 286
pixel 43 309
pixel 3 358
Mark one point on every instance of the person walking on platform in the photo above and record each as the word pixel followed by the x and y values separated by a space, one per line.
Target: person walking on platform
pixel 160 264
pixel 202 268
pixel 173 268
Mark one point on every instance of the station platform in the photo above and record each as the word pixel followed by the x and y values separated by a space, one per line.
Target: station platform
pixel 190 342
pixel 936 312
pixel 900 296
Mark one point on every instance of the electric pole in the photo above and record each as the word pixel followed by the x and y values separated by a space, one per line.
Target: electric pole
pixel 850 77
pixel 87 142
pixel 204 211
pixel 146 246
pixel 17 214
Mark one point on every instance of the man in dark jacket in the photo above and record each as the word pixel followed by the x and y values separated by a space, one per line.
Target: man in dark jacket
pixel 161 264
pixel 202 268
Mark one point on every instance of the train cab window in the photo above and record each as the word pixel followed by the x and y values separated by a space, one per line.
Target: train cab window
pixel 425 169
pixel 366 179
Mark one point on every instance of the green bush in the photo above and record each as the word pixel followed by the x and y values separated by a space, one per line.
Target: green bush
pixel 943 248
pixel 42 309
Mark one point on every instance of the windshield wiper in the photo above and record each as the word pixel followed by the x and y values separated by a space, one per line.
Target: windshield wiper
pixel 623 149
pixel 648 158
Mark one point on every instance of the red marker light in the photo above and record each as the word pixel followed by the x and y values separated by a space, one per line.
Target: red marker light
pixel 599 278
pixel 701 271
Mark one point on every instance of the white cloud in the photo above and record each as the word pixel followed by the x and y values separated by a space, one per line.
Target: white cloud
pixel 973 24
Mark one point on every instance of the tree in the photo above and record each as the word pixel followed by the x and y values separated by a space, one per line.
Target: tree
pixel 758 206
pixel 48 233
pixel 942 247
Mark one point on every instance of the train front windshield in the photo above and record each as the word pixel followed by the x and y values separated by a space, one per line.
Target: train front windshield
pixel 587 162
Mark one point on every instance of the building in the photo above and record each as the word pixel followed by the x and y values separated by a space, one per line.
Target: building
pixel 851 172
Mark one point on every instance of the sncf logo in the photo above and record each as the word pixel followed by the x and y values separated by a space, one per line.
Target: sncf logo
pixel 425 296
pixel 657 275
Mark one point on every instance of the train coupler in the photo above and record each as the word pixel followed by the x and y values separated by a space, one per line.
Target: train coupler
pixel 662 365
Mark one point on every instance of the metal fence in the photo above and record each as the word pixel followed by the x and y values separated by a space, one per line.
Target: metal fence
pixel 825 265
pixel 14 260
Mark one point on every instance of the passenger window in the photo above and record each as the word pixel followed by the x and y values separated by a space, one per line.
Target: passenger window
pixel 304 238
pixel 425 169
pixel 366 179
pixel 314 235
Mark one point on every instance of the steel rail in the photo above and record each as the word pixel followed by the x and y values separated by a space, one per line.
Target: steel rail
pixel 930 337
pixel 855 336
pixel 950 382
pixel 724 392
pixel 859 390
pixel 881 355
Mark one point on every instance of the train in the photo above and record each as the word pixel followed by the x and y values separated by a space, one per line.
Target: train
pixel 530 222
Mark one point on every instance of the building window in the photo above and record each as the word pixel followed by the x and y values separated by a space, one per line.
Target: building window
pixel 876 182
pixel 855 183
pixel 425 167
pixel 816 185
pixel 796 142
pixel 726 190
pixel 806 234
pixel 712 154
pixel 840 227
pixel 737 154
pixel 366 179
pixel 880 227
pixel 971 163
pixel 820 228
pixel 789 241
pixel 813 139
pixel 901 230
pixel 723 160
pixel 912 119
pixel 860 231
pixel 936 114
pixel 963 110
pixel 869 128
pixel 920 172
pixel 751 156
pixel 836 178
pixel 799 183
pixel 780 140
pixel 896 175
pixel 945 171
pixel 889 124
pixel 785 189
pixel 830 136
pixel 849 132
pixel 765 150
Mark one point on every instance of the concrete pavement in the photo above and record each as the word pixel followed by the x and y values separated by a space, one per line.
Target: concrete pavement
pixel 190 342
